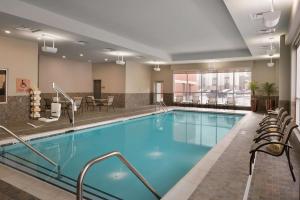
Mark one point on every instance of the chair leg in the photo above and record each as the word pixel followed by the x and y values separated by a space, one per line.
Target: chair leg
pixel 250 163
pixel 287 152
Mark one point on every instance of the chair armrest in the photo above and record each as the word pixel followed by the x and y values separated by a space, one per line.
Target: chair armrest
pixel 268 135
pixel 257 146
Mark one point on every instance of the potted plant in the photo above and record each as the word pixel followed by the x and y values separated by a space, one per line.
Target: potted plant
pixel 269 89
pixel 253 86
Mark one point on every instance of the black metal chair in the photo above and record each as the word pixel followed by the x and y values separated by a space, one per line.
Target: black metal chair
pixel 264 134
pixel 272 117
pixel 278 123
pixel 283 144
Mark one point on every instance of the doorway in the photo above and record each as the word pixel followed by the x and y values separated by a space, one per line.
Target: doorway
pixel 158 91
pixel 97 89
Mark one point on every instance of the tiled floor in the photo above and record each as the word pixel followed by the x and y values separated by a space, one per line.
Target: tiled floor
pixel 227 178
pixel 87 117
pixel 9 192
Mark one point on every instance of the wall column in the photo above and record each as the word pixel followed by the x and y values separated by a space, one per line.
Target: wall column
pixel 284 74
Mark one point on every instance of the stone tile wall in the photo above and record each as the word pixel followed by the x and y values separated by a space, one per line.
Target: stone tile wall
pixel 16 109
pixel 133 100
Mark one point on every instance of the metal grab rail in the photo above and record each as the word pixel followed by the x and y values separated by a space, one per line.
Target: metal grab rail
pixel 104 157
pixel 32 149
pixel 162 105
pixel 58 90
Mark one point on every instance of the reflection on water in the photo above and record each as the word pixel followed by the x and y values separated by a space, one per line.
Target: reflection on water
pixel 202 128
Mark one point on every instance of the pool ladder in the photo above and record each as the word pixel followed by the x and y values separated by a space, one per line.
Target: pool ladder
pixel 162 106
pixel 104 157
pixel 32 149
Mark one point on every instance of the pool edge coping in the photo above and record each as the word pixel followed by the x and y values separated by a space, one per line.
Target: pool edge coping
pixel 183 189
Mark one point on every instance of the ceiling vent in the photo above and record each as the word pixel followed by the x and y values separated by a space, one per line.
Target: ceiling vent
pixel 27 29
pixel 267 31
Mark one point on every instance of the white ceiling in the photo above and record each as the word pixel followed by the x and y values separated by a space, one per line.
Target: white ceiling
pixel 168 30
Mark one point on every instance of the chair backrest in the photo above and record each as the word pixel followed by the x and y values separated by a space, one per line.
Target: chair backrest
pixel 285 122
pixel 77 101
pixel 230 100
pixel 90 100
pixel 280 111
pixel 288 132
pixel 195 99
pixel 110 100
pixel 282 117
pixel 179 99
pixel 211 100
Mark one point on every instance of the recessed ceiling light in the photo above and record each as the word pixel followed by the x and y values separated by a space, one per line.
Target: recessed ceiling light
pixel 107 50
pixel 105 59
pixel 81 54
pixel 64 57
pixel 81 42
pixel 7 31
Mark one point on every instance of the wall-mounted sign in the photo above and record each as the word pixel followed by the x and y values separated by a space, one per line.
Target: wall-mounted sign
pixel 3 85
pixel 22 85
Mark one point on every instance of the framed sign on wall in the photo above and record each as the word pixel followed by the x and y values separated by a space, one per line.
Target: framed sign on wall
pixel 3 85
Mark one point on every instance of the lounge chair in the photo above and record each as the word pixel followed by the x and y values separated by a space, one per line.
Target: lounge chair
pixel 264 134
pixel 274 124
pixel 274 147
pixel 211 101
pixel 178 99
pixel 272 117
pixel 90 102
pixel 109 103
pixel 230 101
pixel 195 100
pixel 78 103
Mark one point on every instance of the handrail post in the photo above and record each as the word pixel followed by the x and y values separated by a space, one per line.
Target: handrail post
pixel 58 90
pixel 104 157
pixel 32 149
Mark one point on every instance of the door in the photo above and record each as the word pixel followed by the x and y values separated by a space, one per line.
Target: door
pixel 97 89
pixel 158 91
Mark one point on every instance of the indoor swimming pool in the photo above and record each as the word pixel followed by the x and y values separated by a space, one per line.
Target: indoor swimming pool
pixel 162 147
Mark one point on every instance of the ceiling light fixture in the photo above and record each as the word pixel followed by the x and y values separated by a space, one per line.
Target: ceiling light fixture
pixel 156 68
pixel 64 57
pixel 106 59
pixel 271 18
pixel 49 49
pixel 81 55
pixel 120 61
pixel 7 31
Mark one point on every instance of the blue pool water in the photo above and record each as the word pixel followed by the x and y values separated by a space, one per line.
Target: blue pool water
pixel 162 147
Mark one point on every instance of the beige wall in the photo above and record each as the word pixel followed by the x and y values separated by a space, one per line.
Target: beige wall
pixel 70 76
pixel 112 77
pixel 138 78
pixel 166 76
pixel 261 73
pixel 20 57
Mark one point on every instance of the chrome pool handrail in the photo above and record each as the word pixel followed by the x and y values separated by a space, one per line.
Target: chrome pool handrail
pixel 104 157
pixel 32 148
pixel 59 90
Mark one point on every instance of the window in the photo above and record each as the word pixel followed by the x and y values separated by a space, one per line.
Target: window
pixel 242 93
pixel 158 91
pixel 226 88
pixel 298 87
